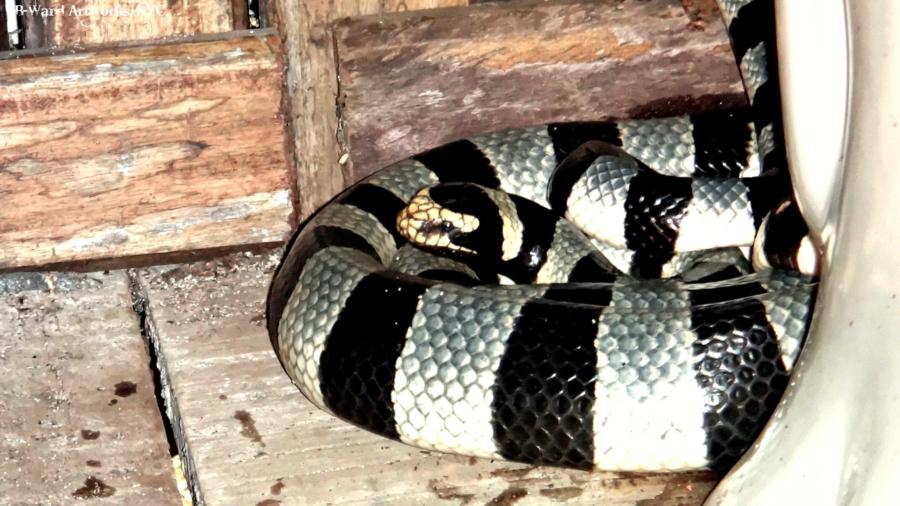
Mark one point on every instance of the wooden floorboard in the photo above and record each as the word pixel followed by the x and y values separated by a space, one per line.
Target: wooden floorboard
pixel 78 415
pixel 249 437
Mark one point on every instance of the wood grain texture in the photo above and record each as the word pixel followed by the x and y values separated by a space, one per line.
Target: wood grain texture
pixel 31 24
pixel 312 87
pixel 412 81
pixel 78 417
pixel 142 150
pixel 5 43
pixel 250 437
pixel 94 22
pixel 240 14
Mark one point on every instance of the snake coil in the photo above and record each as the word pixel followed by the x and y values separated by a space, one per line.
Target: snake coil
pixel 585 368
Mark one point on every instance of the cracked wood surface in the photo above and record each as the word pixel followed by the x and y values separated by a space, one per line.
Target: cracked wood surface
pixel 312 87
pixel 78 415
pixel 415 80
pixel 80 23
pixel 250 437
pixel 142 150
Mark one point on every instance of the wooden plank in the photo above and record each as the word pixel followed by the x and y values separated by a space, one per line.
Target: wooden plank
pixel 31 25
pixel 68 23
pixel 143 150
pixel 240 14
pixel 313 87
pixel 250 437
pixel 5 44
pixel 79 416
pixel 412 81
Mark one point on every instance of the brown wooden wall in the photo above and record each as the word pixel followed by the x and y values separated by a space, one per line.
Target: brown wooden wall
pixel 144 144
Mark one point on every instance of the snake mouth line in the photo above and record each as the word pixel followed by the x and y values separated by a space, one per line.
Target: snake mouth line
pixel 426 223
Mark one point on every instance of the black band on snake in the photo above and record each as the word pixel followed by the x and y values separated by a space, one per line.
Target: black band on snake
pixel 573 294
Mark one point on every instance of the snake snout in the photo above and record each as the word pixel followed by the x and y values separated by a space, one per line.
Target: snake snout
pixel 426 223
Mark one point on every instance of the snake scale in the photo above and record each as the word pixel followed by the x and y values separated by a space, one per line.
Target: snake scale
pixel 675 365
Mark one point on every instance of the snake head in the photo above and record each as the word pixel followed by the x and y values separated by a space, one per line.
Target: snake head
pixel 430 221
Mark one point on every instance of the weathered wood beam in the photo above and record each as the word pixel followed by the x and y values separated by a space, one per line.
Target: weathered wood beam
pixel 411 81
pixel 4 34
pixel 31 24
pixel 142 150
pixel 68 23
pixel 240 14
pixel 305 27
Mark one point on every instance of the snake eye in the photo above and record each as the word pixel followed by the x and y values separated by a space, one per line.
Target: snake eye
pixel 446 226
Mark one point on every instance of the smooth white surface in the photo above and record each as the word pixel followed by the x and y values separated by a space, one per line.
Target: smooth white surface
pixel 812 56
pixel 834 438
pixel 12 24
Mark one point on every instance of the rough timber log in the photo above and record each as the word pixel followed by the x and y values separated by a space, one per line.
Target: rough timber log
pixel 143 150
pixel 410 81
pixel 80 23
pixel 312 86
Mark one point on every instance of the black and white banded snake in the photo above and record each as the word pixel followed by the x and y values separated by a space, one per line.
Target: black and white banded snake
pixel 584 368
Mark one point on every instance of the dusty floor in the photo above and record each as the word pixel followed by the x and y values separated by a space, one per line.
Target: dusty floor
pixel 99 365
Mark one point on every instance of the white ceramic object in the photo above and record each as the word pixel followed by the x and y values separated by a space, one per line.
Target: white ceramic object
pixel 812 45
pixel 833 439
